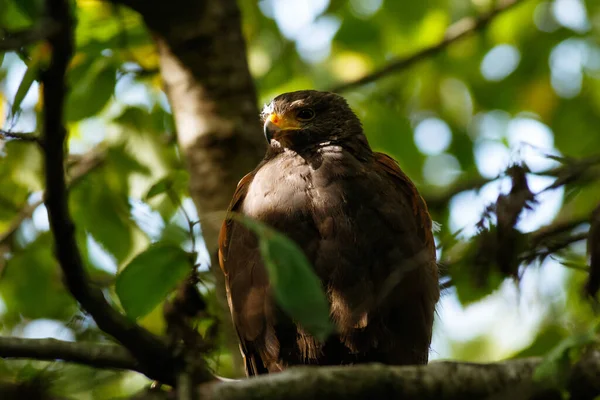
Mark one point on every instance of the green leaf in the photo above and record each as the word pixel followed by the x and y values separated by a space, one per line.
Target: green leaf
pixel 175 182
pixel 24 87
pixel 359 35
pixel 162 186
pixel 554 370
pixel 102 210
pixel 32 8
pixel 12 17
pixel 92 91
pixel 296 287
pixel 150 277
pixel 175 234
pixel 134 118
pixel 124 163
pixel 471 284
pixel 547 339
pixel 31 284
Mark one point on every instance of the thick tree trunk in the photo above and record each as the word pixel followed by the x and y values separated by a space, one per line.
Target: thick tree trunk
pixel 203 65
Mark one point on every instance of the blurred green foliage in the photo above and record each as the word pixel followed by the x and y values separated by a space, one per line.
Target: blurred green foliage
pixel 537 62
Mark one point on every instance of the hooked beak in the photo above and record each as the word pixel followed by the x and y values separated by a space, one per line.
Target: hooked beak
pixel 276 124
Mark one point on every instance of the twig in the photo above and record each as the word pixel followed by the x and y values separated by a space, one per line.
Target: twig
pixel 556 228
pixel 542 243
pixel 86 164
pixel 175 200
pixel 185 386
pixel 437 202
pixel 25 136
pixel 149 350
pixel 16 40
pixel 92 354
pixel 458 30
pixel 552 247
pixel 562 172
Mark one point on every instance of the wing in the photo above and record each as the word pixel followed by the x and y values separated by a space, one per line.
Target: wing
pixel 226 228
pixel 410 288
pixel 390 167
pixel 238 271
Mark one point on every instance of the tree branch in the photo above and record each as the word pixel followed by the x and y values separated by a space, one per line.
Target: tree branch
pixel 541 243
pixel 440 202
pixel 25 136
pixel 93 354
pixel 555 229
pixel 150 351
pixel 564 173
pixel 455 32
pixel 512 379
pixel 552 247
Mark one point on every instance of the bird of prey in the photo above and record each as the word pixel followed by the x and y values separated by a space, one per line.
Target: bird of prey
pixel 361 223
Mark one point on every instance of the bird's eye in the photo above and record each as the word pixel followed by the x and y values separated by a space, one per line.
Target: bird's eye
pixel 306 114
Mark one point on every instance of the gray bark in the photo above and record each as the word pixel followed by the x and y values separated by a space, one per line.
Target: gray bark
pixel 510 380
pixel 212 96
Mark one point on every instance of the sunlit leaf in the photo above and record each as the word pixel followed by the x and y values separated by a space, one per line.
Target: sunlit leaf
pixel 160 187
pixel 124 163
pixel 32 285
pixel 25 164
pixel 12 17
pixel 150 277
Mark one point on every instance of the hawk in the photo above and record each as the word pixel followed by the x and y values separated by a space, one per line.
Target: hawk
pixel 361 223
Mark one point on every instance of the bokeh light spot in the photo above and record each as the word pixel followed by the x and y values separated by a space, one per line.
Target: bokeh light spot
pixel 432 136
pixel 500 62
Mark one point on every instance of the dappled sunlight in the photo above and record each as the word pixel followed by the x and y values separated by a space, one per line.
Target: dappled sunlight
pixel 100 257
pixel 566 63
pixel 500 62
pixel 470 111
pixel 365 8
pixel 493 157
pixel 571 14
pixel 441 169
pixel 510 316
pixel 432 136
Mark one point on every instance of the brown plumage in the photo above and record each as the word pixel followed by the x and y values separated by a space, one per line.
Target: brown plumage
pixel 361 223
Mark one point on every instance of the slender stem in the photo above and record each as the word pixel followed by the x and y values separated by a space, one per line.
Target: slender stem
pixel 191 224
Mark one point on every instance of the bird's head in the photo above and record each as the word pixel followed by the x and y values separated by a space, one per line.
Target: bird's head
pixel 308 117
